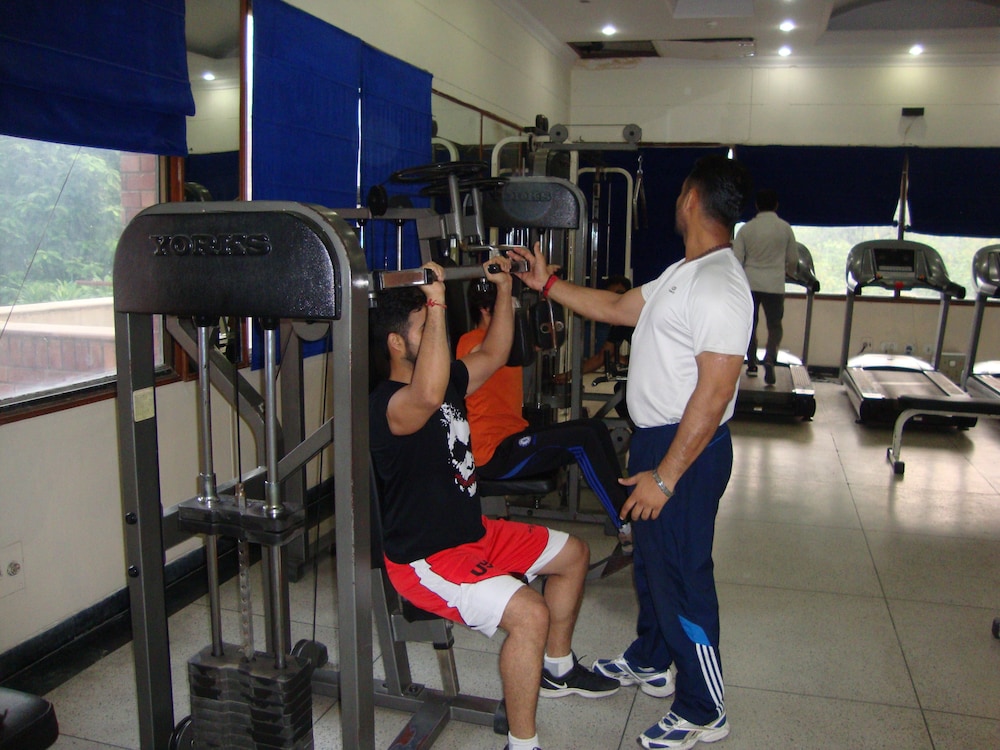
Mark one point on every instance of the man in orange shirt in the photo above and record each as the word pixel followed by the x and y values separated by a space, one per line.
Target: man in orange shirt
pixel 505 446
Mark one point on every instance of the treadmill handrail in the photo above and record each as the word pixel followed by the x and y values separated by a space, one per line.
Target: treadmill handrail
pixel 805 271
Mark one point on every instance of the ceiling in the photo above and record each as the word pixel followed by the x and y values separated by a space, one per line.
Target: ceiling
pixel 727 31
pixel 826 31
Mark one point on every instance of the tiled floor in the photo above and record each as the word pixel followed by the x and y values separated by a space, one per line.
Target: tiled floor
pixel 856 607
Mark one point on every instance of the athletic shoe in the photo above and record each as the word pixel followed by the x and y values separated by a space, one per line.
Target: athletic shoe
pixel 752 371
pixel 650 681
pixel 507 747
pixel 768 374
pixel 578 681
pixel 674 733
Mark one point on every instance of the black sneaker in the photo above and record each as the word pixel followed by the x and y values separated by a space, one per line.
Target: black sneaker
pixel 578 681
pixel 752 371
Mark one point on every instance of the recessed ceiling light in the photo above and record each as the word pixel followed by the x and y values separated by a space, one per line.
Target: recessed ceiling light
pixel 787 25
pixel 208 75
pixel 917 49
pixel 609 30
pixel 785 51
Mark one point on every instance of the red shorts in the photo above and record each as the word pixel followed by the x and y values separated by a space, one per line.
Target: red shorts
pixel 472 583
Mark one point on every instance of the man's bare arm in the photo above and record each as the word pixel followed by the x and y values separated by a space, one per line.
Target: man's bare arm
pixel 595 304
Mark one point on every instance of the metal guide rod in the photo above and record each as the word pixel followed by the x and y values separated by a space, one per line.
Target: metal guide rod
pixel 206 478
pixel 272 487
pixel 207 470
pixel 272 503
pixel 423 276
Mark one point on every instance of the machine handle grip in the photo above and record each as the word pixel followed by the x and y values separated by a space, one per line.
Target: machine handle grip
pixel 423 276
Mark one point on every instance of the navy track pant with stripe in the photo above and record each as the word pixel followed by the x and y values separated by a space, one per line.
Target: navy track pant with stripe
pixel 678 619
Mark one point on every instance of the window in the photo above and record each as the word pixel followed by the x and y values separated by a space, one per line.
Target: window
pixel 62 209
pixel 829 247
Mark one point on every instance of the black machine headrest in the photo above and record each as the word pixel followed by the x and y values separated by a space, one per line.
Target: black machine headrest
pixel 535 203
pixel 245 258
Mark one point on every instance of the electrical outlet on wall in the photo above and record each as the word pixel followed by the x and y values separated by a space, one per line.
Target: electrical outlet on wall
pixel 11 569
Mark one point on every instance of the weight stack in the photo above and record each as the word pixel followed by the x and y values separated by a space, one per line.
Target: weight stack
pixel 239 704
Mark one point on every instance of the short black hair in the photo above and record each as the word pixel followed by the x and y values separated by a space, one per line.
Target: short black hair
pixel 725 187
pixel 611 281
pixel 767 200
pixel 391 314
pixel 481 295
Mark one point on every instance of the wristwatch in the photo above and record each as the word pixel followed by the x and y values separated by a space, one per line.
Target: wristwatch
pixel 659 483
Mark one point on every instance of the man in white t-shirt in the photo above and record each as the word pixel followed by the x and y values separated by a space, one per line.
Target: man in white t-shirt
pixel 766 247
pixel 692 327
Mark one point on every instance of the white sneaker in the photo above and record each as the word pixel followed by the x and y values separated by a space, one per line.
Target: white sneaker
pixel 650 681
pixel 674 733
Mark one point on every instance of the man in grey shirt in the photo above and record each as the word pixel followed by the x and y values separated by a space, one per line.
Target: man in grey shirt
pixel 766 248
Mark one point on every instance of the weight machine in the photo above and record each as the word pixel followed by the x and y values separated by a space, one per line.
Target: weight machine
pixel 512 211
pixel 274 261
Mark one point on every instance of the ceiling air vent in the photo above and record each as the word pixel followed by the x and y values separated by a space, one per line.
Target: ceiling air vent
pixel 725 48
pixel 606 50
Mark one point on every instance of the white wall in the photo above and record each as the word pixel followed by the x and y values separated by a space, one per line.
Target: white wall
pixel 815 106
pixel 882 320
pixel 216 125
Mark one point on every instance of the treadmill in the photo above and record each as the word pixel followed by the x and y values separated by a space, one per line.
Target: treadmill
pixel 792 394
pixel 882 386
pixel 982 380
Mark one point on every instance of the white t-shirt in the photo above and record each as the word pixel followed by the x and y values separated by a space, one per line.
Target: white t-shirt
pixel 693 307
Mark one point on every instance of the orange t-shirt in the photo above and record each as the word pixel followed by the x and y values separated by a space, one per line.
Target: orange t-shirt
pixel 495 408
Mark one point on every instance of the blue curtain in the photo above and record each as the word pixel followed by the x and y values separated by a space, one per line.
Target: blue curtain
pixel 305 108
pixel 219 172
pixel 309 142
pixel 104 73
pixel 395 134
pixel 655 243
pixel 955 191
pixel 829 186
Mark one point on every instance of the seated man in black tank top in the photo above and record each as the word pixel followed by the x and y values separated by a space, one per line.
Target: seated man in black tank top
pixel 440 552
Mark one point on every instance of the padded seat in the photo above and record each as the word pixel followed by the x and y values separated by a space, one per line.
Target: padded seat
pixel 539 485
pixel 494 493
pixel 27 722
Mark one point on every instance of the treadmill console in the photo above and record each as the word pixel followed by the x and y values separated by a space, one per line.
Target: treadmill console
pixel 898 265
pixel 894 261
pixel 986 271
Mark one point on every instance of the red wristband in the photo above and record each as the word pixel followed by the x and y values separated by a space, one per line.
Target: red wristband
pixel 435 303
pixel 548 285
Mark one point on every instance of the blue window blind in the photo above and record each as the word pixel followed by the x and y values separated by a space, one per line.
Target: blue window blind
pixel 305 108
pixel 829 186
pixel 395 134
pixel 104 73
pixel 955 191
pixel 310 82
pixel 655 244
